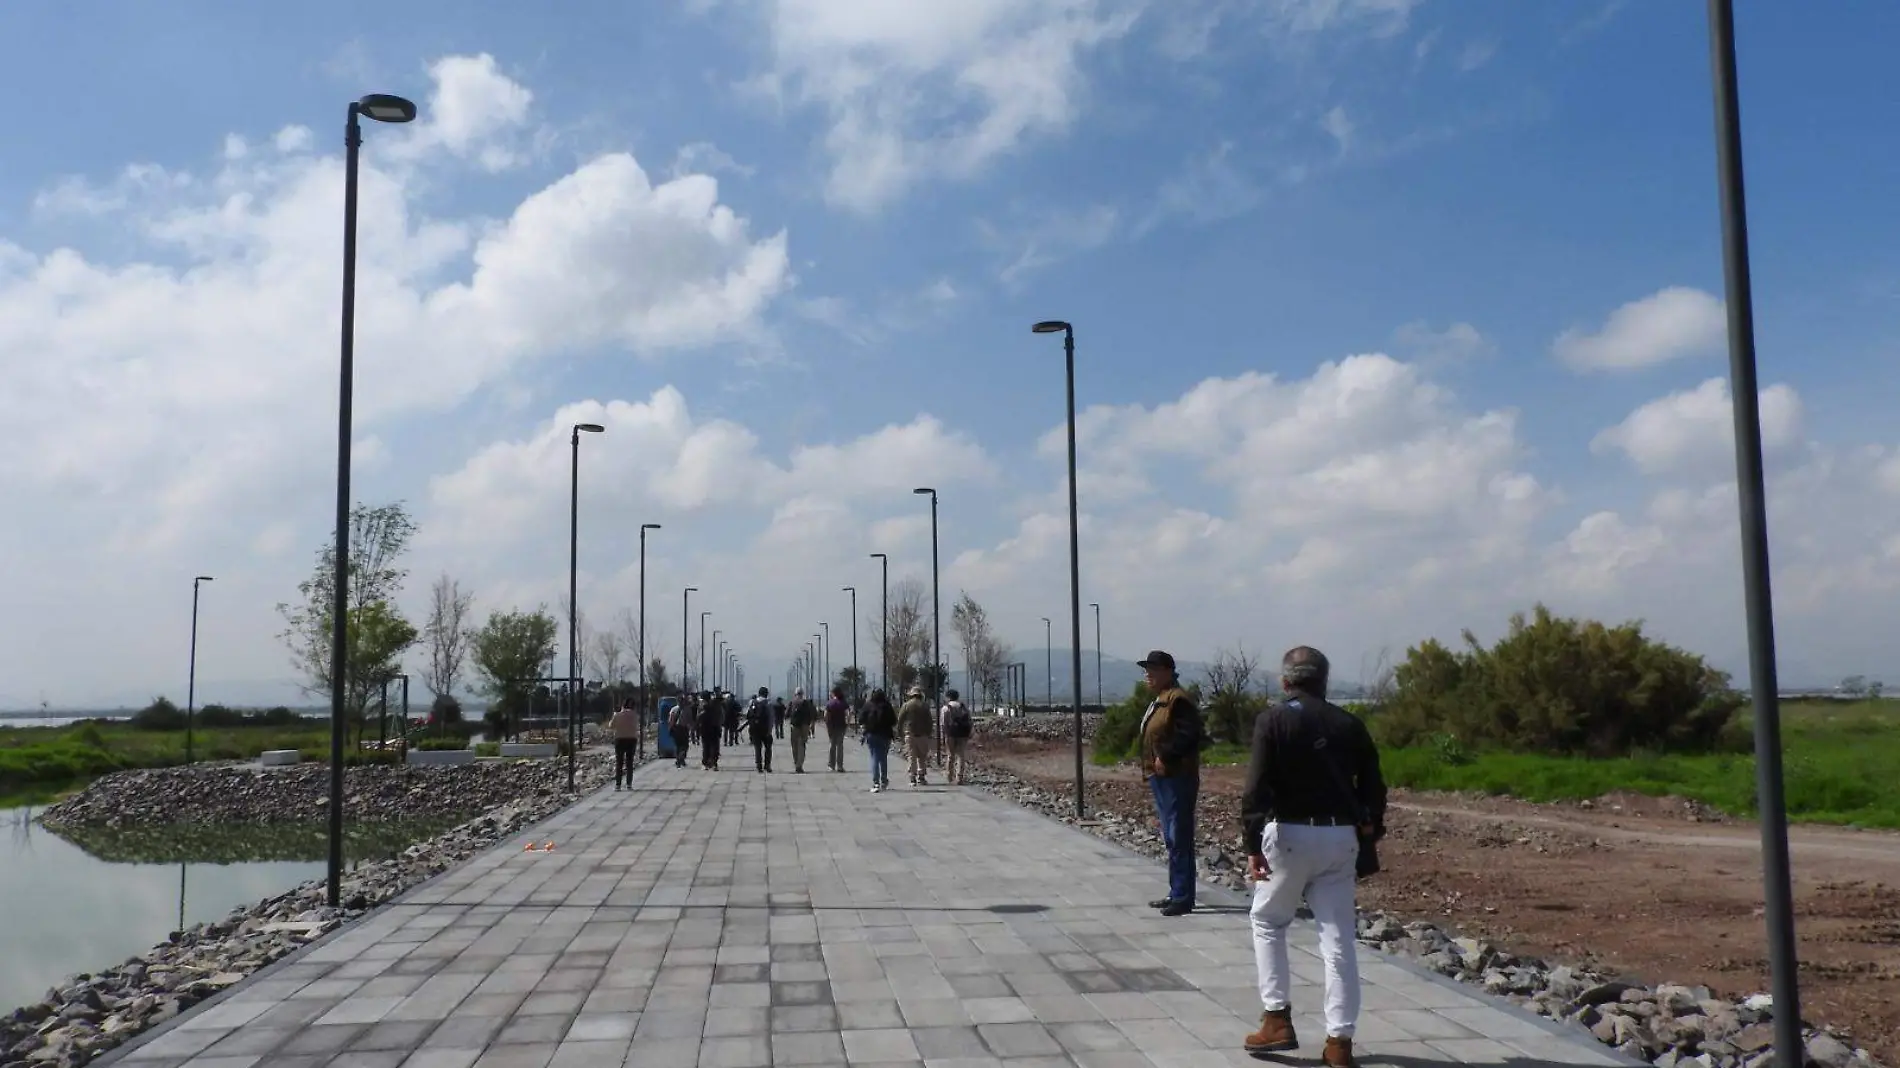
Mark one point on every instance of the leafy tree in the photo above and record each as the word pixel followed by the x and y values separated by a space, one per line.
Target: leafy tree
pixel 851 681
pixel 160 715
pixel 375 633
pixel 657 679
pixel 1562 686
pixel 509 652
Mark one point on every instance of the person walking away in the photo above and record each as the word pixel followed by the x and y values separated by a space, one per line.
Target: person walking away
pixel 1170 738
pixel 837 711
pixel 626 730
pixel 803 715
pixel 758 723
pixel 778 716
pixel 680 723
pixel 1314 790
pixel 711 719
pixel 957 728
pixel 916 724
pixel 878 725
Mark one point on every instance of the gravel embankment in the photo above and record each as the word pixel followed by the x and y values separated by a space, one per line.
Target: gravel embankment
pixel 88 1014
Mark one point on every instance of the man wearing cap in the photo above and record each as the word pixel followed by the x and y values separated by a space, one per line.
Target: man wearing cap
pixel 1313 790
pixel 1170 739
pixel 915 723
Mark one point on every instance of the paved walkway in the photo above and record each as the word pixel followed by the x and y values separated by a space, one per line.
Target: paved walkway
pixel 732 920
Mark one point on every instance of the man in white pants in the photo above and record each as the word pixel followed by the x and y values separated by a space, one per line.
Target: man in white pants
pixel 1313 787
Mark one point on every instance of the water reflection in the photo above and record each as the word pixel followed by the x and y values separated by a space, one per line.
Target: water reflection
pixel 90 899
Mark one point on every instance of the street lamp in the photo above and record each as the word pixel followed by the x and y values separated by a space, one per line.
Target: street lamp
pixel 644 527
pixel 700 681
pixel 380 107
pixel 573 593
pixel 1777 891
pixel 717 657
pixel 1099 699
pixel 936 621
pixel 884 639
pixel 857 673
pixel 1049 665
pixel 191 677
pixel 825 654
pixel 1057 326
pixel 686 618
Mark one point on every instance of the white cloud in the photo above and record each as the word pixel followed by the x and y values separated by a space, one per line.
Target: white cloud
pixel 932 89
pixel 1671 324
pixel 1457 343
pixel 1053 236
pixel 475 113
pixel 1693 432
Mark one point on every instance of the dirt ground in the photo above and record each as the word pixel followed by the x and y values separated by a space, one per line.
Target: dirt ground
pixel 1660 890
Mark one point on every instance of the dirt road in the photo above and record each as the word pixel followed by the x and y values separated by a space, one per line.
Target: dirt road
pixel 1657 889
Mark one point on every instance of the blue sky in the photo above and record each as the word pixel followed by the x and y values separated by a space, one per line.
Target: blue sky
pixel 1210 190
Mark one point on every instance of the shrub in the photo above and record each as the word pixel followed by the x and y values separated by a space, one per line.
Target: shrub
pixel 445 711
pixel 89 735
pixel 1560 686
pixel 160 715
pixel 441 744
pixel 487 749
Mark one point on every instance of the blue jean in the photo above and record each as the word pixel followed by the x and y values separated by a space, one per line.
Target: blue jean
pixel 1174 807
pixel 880 759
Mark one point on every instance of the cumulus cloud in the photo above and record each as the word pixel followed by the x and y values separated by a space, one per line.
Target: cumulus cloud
pixel 1671 324
pixel 1693 432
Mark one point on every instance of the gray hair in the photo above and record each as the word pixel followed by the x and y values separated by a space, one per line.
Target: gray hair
pixel 1306 669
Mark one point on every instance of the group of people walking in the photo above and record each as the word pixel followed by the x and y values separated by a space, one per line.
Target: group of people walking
pixel 714 720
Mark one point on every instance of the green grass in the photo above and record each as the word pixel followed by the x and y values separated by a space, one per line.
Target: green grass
pixel 39 761
pixel 1841 764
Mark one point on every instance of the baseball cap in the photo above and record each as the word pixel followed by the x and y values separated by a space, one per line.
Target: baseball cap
pixel 1157 659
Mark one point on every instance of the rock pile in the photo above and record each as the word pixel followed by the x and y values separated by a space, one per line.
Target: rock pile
pixel 87 1015
pixel 1042 727
pixel 300 793
pixel 1669 1026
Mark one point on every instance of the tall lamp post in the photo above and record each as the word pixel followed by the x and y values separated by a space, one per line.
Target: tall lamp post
pixel 1777 892
pixel 825 656
pixel 700 682
pixel 857 674
pixel 573 604
pixel 1100 701
pixel 713 679
pixel 380 107
pixel 936 621
pixel 1055 326
pixel 1049 664
pixel 645 698
pixel 686 630
pixel 884 637
pixel 191 676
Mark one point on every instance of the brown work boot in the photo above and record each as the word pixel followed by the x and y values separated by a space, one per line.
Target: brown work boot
pixel 1338 1053
pixel 1275 1034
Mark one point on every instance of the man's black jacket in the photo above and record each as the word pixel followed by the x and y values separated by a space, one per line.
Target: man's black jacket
pixel 1311 759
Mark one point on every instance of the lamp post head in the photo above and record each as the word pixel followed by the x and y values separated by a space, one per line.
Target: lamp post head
pixel 1095 606
pixel 589 428
pixel 649 526
pixel 693 589
pixel 880 556
pixel 849 589
pixel 1051 326
pixel 202 578
pixel 384 107
pixel 925 489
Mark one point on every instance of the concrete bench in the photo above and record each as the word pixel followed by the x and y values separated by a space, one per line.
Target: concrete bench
pixel 440 757
pixel 530 750
pixel 277 758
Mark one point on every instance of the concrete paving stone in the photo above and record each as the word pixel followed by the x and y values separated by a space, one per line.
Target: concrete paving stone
pixel 807 1047
pixel 733 921
pixel 369 1059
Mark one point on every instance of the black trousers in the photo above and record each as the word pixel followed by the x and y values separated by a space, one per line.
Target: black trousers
pixel 680 743
pixel 762 752
pixel 626 750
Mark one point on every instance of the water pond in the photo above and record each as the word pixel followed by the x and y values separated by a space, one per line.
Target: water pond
pixel 89 901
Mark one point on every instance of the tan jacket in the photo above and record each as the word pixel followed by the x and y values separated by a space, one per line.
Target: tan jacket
pixel 626 723
pixel 1170 735
pixel 913 720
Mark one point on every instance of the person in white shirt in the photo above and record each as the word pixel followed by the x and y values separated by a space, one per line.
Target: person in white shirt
pixel 956 725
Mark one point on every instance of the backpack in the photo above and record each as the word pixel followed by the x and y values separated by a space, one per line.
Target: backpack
pixel 960 724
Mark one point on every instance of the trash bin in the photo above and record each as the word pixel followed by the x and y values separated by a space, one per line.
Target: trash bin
pixel 665 746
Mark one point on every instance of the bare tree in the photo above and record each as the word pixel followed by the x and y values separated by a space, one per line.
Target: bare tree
pixel 983 654
pixel 909 647
pixel 1378 678
pixel 1231 702
pixel 447 633
pixel 606 656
